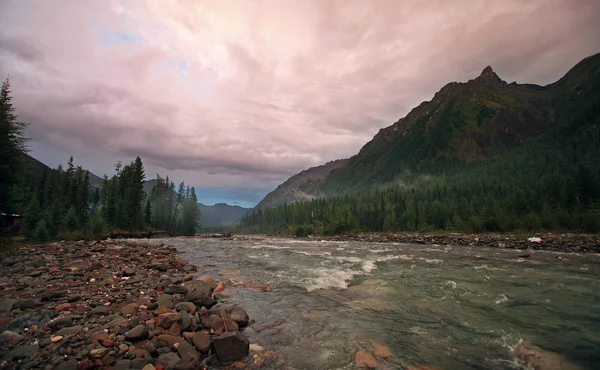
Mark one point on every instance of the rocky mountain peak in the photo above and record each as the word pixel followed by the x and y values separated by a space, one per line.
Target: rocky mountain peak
pixel 489 78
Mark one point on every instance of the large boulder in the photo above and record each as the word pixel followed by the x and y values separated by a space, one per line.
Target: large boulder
pixel 231 346
pixel 138 333
pixel 208 280
pixel 198 286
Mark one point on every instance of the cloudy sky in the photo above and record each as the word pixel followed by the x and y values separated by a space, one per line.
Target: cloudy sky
pixel 236 96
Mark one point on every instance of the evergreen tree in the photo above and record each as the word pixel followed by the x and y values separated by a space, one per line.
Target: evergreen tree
pixel 41 233
pixel 12 148
pixel 71 221
pixel 33 215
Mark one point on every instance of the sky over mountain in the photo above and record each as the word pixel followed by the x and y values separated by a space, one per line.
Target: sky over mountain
pixel 236 96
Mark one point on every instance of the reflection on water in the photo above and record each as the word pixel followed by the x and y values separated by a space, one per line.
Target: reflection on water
pixel 454 307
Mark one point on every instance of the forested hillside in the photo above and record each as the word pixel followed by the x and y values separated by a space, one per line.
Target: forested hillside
pixel 451 164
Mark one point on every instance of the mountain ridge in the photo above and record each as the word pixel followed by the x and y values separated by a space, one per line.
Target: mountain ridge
pixel 464 122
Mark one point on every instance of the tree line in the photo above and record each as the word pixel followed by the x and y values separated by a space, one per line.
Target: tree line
pixel 62 204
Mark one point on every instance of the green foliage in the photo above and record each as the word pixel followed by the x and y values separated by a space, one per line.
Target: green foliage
pixel 42 234
pixel 97 227
pixel 33 215
pixel 70 222
pixel 174 212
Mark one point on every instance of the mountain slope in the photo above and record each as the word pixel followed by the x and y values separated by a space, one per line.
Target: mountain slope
pixel 220 214
pixel 299 186
pixel 550 181
pixel 464 124
pixel 35 168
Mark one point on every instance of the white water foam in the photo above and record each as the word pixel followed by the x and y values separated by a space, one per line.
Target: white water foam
pixel 434 260
pixel 324 278
pixel 321 254
pixel 369 266
pixel 503 298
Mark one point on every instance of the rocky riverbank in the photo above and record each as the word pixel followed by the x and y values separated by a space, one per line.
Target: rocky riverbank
pixel 114 305
pixel 574 243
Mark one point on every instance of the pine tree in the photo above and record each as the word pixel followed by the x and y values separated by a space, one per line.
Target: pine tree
pixel 41 233
pixel 12 147
pixel 33 215
pixel 71 221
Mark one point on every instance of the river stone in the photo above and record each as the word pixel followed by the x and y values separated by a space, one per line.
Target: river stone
pixel 165 300
pixel 138 363
pixel 86 364
pixel 10 338
pixel 24 352
pixel 238 315
pixel 122 364
pixel 137 333
pixel 169 339
pixel 365 360
pixel 208 280
pixel 168 360
pixel 231 346
pixel 198 286
pixel 175 289
pixel 185 350
pixel 129 309
pixel 38 262
pixel 185 320
pixel 60 322
pixel 73 330
pixel 167 319
pixel 101 310
pixel 23 304
pixel 98 352
pixel 186 306
pixel 200 300
pixel 7 304
pixel 229 324
pixel 149 367
pixel 67 365
pixel 201 341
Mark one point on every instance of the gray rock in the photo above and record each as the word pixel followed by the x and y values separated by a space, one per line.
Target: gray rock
pixel 67 365
pixel 168 360
pixel 38 263
pixel 23 304
pixel 98 352
pixel 101 310
pixel 175 289
pixel 186 350
pixel 199 287
pixel 231 346
pixel 10 338
pixel 169 339
pixel 73 330
pixel 137 333
pixel 185 322
pixel 6 304
pixel 139 363
pixel 25 352
pixel 239 315
pixel 60 322
pixel 122 365
pixel 165 300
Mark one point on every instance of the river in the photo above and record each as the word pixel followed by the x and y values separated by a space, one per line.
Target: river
pixel 452 307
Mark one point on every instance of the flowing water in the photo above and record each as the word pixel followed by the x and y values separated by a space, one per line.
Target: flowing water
pixel 453 307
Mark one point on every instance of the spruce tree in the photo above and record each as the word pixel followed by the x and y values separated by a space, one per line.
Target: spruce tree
pixel 12 147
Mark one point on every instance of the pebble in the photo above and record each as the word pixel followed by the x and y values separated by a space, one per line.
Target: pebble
pixel 110 305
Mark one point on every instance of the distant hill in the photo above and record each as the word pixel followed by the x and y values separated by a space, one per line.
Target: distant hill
pixel 300 186
pixel 35 168
pixel 219 214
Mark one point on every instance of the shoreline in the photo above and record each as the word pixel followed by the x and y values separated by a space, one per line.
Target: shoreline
pixel 555 242
pixel 85 305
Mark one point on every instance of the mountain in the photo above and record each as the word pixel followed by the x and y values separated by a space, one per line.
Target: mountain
pixel 464 124
pixel 481 156
pixel 220 214
pixel 35 168
pixel 299 186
